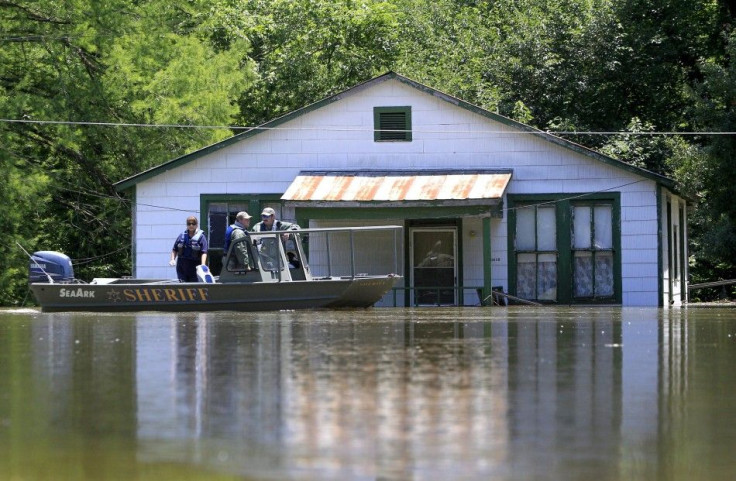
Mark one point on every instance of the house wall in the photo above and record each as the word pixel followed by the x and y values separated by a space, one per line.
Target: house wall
pixel 340 136
pixel 674 257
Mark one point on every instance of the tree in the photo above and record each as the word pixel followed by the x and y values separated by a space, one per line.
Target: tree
pixel 715 111
pixel 120 62
pixel 309 49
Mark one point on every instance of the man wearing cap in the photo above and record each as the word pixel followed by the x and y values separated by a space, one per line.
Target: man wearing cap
pixel 234 232
pixel 269 223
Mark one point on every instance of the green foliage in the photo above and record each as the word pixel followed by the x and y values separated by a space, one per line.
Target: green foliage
pixel 580 65
pixel 643 147
pixel 308 49
pixel 453 47
pixel 715 111
pixel 119 61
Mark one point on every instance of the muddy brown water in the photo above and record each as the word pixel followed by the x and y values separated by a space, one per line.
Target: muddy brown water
pixel 518 393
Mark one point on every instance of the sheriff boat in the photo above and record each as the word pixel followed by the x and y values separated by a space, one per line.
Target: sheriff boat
pixel 274 275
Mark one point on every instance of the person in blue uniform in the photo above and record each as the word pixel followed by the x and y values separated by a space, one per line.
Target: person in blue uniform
pixel 189 251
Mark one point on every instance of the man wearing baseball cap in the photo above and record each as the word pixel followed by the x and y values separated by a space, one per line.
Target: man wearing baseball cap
pixel 269 222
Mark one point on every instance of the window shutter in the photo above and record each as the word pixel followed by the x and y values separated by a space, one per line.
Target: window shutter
pixel 392 124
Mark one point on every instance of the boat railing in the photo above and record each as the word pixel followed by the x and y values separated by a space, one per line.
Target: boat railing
pixel 344 252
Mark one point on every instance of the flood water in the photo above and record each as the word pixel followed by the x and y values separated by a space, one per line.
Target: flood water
pixel 499 393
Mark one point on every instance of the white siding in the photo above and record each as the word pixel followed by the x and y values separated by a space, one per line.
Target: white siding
pixel 340 136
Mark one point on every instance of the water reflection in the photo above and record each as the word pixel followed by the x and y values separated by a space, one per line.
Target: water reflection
pixel 506 393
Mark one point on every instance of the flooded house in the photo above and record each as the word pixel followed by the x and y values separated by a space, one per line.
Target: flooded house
pixel 487 203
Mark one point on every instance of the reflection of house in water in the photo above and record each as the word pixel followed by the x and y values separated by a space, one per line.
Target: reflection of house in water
pixel 387 399
pixel 592 393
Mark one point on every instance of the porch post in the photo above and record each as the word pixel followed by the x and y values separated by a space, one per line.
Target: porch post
pixel 487 271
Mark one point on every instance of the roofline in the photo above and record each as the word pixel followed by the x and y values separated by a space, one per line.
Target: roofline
pixel 184 159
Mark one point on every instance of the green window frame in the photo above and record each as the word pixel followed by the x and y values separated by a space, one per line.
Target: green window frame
pixel 218 211
pixel 536 252
pixel 592 250
pixel 392 124
pixel 608 256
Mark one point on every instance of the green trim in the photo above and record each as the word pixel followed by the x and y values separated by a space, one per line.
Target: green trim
pixel 459 261
pixel 254 201
pixel 429 223
pixel 377 127
pixel 660 251
pixel 407 263
pixel 564 206
pixel 153 172
pixel 670 254
pixel 682 253
pixel 510 236
pixel 133 233
pixel 564 238
pixel 487 259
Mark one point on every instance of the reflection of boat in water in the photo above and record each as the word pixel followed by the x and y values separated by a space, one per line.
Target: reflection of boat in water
pixel 275 274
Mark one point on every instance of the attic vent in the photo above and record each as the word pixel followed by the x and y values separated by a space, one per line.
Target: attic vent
pixel 392 124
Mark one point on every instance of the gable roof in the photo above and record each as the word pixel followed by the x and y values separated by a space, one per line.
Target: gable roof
pixel 184 159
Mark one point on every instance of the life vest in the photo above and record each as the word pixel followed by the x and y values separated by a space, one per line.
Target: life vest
pixel 229 235
pixel 190 247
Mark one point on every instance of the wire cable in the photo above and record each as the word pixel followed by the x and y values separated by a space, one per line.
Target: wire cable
pixel 346 129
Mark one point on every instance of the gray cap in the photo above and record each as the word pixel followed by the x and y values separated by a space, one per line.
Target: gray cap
pixel 268 211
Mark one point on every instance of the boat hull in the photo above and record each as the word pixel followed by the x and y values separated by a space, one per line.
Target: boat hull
pixel 358 292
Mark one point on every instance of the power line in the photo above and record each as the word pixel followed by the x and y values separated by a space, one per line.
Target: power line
pixel 346 129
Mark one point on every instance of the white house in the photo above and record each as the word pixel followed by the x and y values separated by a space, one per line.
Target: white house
pixel 486 202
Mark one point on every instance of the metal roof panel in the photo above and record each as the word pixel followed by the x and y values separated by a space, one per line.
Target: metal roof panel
pixel 397 186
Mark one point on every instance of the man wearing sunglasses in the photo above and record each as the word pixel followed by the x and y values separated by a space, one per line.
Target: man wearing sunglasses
pixel 189 251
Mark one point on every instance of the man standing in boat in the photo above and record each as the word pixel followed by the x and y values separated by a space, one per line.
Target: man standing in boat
pixel 269 223
pixel 234 232
pixel 189 251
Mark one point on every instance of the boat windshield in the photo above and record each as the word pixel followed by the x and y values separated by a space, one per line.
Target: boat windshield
pixel 240 257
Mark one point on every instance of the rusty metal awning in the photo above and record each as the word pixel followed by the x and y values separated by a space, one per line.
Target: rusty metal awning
pixel 400 188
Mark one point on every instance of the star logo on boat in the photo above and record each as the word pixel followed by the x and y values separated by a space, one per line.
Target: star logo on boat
pixel 113 296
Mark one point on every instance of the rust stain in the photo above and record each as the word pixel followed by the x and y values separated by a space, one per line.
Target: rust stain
pixel 368 188
pixel 461 186
pixel 303 187
pixel 397 187
pixel 400 187
pixel 430 187
pixel 338 187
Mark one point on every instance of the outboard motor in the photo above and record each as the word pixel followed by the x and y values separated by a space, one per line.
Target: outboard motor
pixel 58 266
